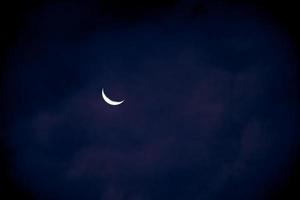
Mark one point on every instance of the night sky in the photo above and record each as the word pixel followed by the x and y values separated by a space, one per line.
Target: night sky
pixel 211 92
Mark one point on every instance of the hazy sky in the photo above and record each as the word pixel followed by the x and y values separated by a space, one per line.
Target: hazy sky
pixel 210 109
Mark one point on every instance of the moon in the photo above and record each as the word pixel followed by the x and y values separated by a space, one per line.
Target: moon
pixel 109 101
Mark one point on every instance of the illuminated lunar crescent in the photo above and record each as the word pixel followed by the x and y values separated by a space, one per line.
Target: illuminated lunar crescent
pixel 109 101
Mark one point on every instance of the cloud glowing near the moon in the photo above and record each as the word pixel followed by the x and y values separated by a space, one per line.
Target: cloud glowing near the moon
pixel 109 101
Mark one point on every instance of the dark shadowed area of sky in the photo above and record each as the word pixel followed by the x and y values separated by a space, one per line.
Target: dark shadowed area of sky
pixel 210 110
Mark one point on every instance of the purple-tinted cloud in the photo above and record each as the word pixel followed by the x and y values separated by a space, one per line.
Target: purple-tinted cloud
pixel 203 116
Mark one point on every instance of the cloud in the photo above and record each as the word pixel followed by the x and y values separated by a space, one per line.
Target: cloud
pixel 197 121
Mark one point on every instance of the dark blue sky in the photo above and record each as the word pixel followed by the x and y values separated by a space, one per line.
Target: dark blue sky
pixel 210 109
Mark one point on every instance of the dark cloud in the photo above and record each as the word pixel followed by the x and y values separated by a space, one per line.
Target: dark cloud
pixel 204 115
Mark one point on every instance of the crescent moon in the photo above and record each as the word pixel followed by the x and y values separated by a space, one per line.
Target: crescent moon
pixel 109 101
